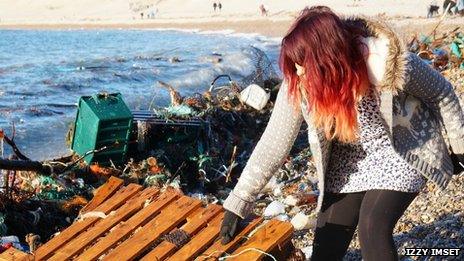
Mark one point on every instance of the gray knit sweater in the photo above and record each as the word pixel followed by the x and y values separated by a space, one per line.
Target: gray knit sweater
pixel 416 103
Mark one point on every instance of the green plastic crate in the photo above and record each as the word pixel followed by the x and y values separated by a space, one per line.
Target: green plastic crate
pixel 102 120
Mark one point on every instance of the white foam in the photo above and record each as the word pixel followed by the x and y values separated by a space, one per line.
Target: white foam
pixel 224 32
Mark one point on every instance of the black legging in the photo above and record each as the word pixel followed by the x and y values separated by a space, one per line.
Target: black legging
pixel 377 212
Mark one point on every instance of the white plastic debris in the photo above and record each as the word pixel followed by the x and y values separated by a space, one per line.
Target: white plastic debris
pixel 90 214
pixel 307 251
pixel 290 200
pixel 277 192
pixel 274 209
pixel 282 217
pixel 255 96
pixel 301 221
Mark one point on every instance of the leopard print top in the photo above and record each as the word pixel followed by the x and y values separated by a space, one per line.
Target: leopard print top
pixel 370 163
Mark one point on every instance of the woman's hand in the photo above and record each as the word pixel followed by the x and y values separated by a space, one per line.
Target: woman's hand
pixel 229 226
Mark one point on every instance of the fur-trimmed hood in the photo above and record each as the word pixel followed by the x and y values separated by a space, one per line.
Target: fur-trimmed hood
pixel 387 61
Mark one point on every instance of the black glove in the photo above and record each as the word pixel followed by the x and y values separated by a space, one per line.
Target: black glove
pixel 457 160
pixel 229 226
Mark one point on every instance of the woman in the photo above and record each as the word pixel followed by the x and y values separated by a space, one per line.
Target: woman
pixel 375 114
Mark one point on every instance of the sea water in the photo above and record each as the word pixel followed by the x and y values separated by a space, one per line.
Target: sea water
pixel 44 72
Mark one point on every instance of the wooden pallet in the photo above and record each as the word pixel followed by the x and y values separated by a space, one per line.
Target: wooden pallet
pixel 148 225
pixel 15 254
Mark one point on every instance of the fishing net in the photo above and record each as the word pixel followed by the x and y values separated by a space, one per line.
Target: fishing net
pixel 263 74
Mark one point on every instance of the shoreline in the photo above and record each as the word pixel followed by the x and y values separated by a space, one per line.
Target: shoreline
pixel 269 28
pixel 265 27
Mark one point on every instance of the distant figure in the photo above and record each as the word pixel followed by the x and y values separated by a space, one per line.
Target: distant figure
pixel 141 15
pixel 451 3
pixel 460 7
pixel 214 6
pixel 432 9
pixel 152 13
pixel 263 10
pixel 220 6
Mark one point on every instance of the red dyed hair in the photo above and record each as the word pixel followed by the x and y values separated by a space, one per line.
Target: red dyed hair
pixel 335 71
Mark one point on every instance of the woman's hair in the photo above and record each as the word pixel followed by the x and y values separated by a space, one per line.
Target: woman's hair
pixel 335 71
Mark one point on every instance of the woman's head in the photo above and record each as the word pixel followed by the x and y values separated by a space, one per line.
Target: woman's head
pixel 322 62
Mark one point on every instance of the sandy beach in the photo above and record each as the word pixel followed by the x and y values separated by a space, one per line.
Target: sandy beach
pixel 239 16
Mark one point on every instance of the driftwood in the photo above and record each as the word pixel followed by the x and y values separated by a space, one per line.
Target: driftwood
pixel 25 165
pixel 12 143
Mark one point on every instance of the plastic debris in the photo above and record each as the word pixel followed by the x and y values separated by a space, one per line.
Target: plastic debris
pixel 442 52
pixel 307 251
pixel 90 214
pixel 301 221
pixel 12 241
pixel 274 209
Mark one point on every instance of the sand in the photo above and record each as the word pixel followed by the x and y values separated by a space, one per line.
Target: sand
pixel 238 15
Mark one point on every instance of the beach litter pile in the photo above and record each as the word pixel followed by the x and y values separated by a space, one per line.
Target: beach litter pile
pixel 200 144
pixel 443 52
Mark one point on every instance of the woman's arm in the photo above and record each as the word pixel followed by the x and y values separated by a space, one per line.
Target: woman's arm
pixel 268 155
pixel 434 90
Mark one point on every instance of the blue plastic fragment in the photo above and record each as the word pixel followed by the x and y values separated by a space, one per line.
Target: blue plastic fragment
pixel 456 50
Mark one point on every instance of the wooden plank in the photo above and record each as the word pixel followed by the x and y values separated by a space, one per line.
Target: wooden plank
pixel 217 249
pixel 195 222
pixel 106 207
pixel 169 218
pixel 14 254
pixel 102 226
pixel 103 193
pixel 119 198
pixel 126 228
pixel 200 242
pixel 274 233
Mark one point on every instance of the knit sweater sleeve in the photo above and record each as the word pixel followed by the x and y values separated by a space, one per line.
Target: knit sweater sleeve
pixel 268 155
pixel 436 92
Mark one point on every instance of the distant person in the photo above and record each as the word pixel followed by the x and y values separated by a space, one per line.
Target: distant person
pixel 152 13
pixel 432 9
pixel 263 10
pixel 460 7
pixel 215 6
pixel 451 3
pixel 220 6
pixel 141 15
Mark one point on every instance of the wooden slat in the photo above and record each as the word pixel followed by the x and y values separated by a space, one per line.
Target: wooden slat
pixel 119 198
pixel 200 242
pixel 195 222
pixel 15 254
pixel 77 227
pixel 126 228
pixel 102 226
pixel 169 218
pixel 275 232
pixel 103 193
pixel 217 249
